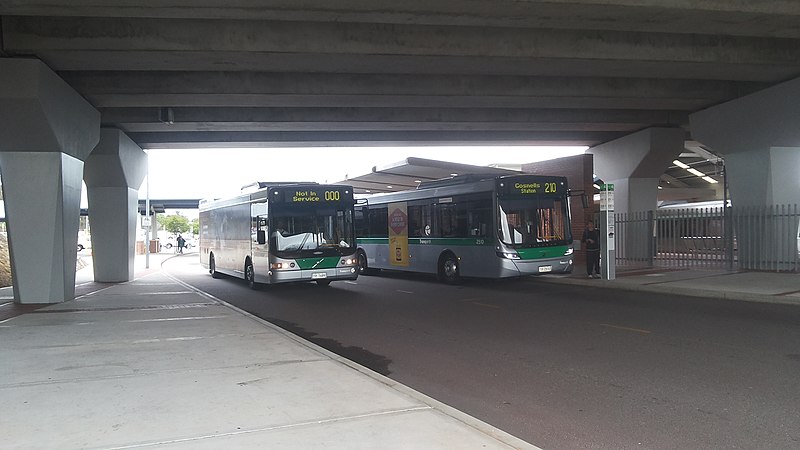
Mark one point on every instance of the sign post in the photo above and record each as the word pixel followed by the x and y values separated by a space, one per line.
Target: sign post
pixel 607 252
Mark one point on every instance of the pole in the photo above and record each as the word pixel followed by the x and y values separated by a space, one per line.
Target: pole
pixel 607 231
pixel 149 223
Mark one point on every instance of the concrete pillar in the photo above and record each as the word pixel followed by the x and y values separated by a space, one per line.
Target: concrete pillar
pixel 634 164
pixel 759 137
pixel 46 131
pixel 113 174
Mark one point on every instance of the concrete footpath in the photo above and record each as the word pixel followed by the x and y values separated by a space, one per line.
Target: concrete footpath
pixel 156 363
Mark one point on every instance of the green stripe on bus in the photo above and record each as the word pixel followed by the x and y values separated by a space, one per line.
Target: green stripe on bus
pixel 542 252
pixel 328 262
pixel 430 241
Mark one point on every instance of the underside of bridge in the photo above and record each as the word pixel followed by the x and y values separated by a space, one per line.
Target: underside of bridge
pixel 173 73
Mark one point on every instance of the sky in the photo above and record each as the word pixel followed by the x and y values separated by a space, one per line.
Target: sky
pixel 216 173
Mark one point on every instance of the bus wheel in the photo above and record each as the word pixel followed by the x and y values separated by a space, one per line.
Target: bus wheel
pixel 448 269
pixel 324 282
pixel 362 264
pixel 250 274
pixel 212 267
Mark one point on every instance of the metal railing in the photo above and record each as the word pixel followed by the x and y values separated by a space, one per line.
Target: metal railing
pixel 745 238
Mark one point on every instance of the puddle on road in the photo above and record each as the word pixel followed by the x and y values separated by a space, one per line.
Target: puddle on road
pixel 358 355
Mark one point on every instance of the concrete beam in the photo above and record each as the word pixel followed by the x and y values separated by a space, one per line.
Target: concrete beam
pixel 194 139
pixel 25 34
pixel 777 18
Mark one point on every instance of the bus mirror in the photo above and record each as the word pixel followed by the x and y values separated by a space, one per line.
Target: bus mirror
pixel 261 235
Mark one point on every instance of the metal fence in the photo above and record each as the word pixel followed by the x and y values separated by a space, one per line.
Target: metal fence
pixel 746 238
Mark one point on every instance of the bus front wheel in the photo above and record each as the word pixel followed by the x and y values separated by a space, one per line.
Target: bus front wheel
pixel 449 271
pixel 212 267
pixel 363 268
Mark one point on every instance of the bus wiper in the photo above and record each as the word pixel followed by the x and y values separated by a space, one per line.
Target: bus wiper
pixel 300 247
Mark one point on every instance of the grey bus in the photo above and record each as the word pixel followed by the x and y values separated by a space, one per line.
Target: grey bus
pixel 474 225
pixel 281 232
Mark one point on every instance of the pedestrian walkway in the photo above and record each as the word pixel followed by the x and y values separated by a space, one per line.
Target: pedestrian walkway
pixel 766 287
pixel 156 363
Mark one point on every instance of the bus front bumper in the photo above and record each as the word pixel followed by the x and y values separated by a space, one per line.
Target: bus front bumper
pixel 523 267
pixel 333 274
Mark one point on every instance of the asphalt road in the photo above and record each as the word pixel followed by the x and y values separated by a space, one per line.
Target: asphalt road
pixel 559 366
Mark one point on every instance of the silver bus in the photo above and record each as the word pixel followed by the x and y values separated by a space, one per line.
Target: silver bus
pixel 281 232
pixel 472 226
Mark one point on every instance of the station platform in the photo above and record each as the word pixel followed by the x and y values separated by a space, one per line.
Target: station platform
pixel 750 286
pixel 155 363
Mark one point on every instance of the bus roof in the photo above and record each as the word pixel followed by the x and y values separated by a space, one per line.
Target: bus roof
pixel 457 185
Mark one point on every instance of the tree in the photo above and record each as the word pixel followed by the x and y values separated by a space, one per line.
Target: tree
pixel 175 223
pixel 195 226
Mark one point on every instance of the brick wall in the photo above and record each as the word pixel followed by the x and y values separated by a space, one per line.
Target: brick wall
pixel 579 171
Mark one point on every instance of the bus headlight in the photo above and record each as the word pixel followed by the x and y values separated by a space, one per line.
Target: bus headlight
pixel 348 261
pixel 278 266
pixel 508 255
pixel 569 251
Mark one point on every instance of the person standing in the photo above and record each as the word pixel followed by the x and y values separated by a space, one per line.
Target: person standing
pixel 591 242
pixel 181 243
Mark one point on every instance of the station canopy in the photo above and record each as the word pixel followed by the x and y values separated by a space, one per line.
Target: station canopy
pixel 410 172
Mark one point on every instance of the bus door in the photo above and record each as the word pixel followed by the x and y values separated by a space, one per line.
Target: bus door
pixel 260 242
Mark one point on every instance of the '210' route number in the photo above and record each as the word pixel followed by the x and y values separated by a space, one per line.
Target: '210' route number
pixel 550 187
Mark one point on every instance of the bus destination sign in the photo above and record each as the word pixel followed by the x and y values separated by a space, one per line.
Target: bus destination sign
pixel 312 195
pixel 531 186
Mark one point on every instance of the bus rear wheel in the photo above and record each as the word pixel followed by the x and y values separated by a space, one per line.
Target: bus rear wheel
pixel 449 271
pixel 212 267
pixel 250 274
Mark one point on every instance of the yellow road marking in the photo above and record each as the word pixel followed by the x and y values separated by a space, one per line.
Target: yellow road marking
pixel 635 330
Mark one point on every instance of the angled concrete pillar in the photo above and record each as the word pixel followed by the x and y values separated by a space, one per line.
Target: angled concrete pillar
pixel 759 137
pixel 113 174
pixel 634 164
pixel 46 131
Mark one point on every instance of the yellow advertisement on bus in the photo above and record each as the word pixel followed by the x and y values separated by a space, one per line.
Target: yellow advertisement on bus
pixel 398 234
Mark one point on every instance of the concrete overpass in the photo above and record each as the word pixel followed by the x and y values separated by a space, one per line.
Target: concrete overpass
pixel 632 79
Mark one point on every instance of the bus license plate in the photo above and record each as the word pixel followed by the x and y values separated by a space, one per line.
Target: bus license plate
pixel 543 269
pixel 317 275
